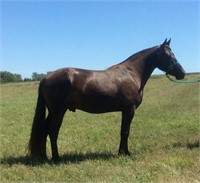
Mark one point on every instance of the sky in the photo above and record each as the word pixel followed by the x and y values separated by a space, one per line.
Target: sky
pixel 41 36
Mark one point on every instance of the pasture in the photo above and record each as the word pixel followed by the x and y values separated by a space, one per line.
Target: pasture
pixel 164 138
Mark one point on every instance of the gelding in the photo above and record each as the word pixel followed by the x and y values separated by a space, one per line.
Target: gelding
pixel 118 88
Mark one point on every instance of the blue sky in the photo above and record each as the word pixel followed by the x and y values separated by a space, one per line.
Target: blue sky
pixel 41 36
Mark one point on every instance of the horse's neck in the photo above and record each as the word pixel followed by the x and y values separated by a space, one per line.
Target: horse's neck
pixel 142 66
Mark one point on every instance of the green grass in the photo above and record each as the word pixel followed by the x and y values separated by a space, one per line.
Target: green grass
pixel 164 139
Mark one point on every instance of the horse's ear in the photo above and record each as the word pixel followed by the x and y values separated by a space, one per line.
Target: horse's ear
pixel 164 43
pixel 168 42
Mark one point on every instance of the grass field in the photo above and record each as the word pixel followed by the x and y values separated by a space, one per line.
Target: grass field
pixel 164 139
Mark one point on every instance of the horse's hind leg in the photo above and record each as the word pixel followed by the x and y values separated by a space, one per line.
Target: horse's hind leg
pixel 53 126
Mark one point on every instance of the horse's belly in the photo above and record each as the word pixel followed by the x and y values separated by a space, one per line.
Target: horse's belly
pixel 95 110
pixel 98 105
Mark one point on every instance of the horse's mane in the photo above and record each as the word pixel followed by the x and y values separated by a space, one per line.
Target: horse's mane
pixel 142 53
pixel 137 55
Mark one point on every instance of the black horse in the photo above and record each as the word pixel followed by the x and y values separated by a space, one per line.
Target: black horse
pixel 118 88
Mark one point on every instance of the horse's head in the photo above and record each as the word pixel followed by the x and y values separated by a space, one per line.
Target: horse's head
pixel 168 62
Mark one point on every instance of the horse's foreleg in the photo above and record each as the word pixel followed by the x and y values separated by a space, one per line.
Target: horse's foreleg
pixel 125 128
pixel 54 124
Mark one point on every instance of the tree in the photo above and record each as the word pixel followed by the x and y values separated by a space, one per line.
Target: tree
pixel 37 77
pixel 6 77
pixel 27 79
pixel 18 77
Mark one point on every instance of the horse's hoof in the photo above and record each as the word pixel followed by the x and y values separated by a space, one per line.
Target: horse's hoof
pixel 56 160
pixel 124 153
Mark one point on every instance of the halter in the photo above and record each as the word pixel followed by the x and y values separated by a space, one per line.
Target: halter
pixel 171 67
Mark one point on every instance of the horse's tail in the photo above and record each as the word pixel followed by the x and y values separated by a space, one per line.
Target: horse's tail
pixel 37 142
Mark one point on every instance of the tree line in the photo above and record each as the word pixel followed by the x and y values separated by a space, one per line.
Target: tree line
pixel 8 77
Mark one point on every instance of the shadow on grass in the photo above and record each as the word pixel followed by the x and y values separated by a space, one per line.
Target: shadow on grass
pixel 193 145
pixel 79 157
pixel 189 145
pixel 74 158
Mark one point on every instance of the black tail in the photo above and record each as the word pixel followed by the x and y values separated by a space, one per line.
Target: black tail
pixel 37 142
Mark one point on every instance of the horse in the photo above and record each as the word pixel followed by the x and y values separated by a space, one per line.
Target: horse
pixel 119 88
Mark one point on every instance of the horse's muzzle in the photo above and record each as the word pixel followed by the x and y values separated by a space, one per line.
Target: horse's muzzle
pixel 181 75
